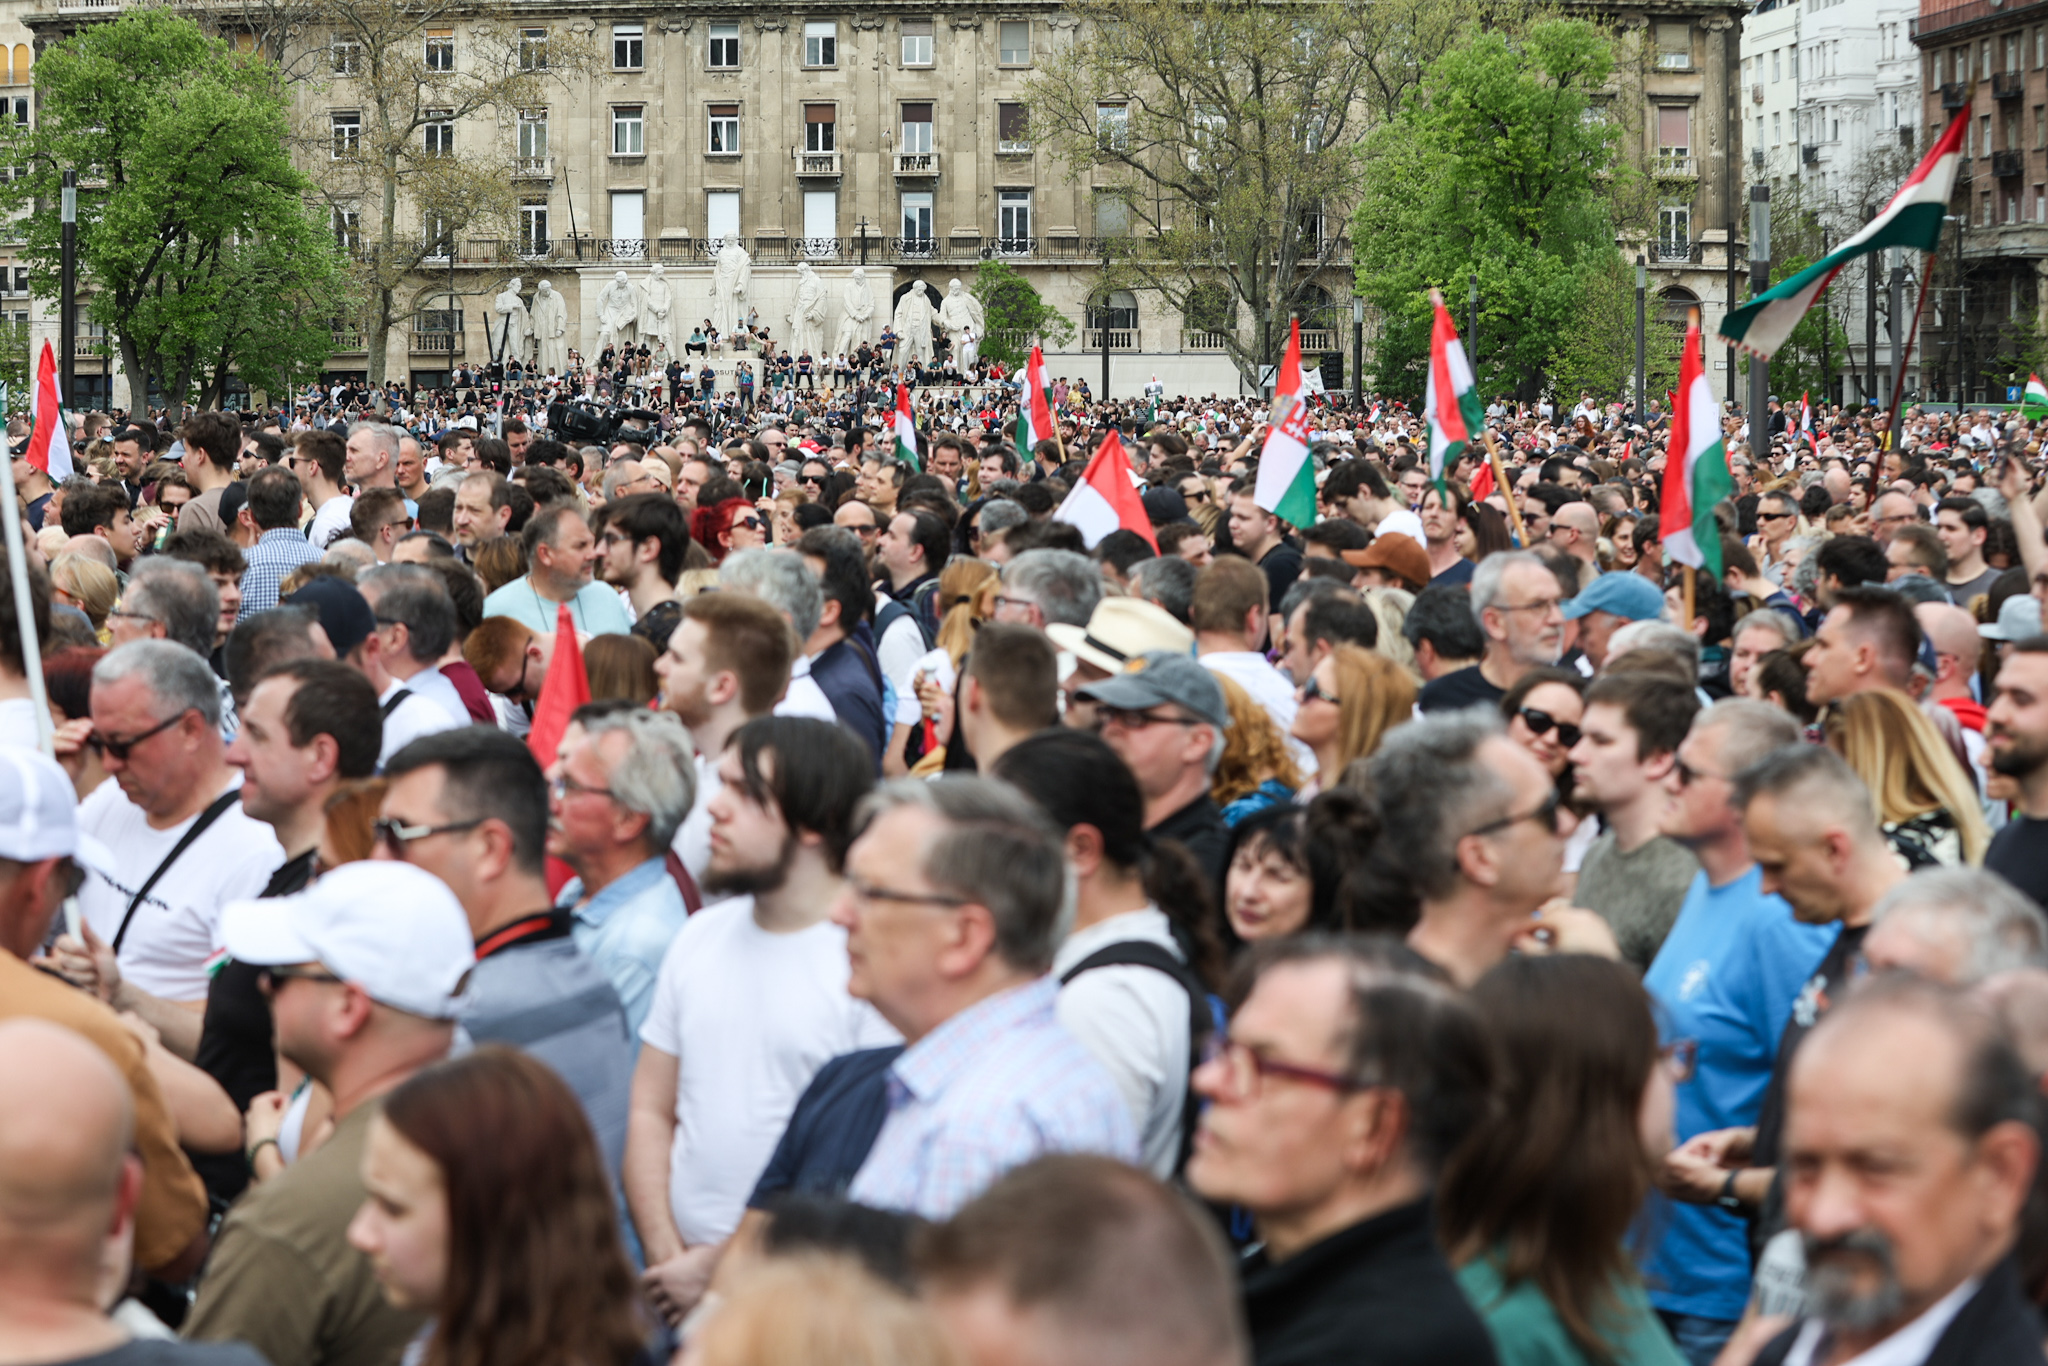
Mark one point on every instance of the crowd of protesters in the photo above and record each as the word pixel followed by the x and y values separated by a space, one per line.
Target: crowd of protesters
pixel 723 885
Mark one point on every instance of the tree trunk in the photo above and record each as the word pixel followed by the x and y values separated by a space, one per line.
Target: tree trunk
pixel 138 378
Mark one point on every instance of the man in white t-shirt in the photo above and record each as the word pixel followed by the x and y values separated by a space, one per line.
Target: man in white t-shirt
pixel 727 662
pixel 152 931
pixel 414 625
pixel 752 996
pixel 1229 616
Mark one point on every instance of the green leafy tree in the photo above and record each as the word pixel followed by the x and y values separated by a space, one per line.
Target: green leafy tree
pixel 1596 351
pixel 1499 164
pixel 187 183
pixel 1017 316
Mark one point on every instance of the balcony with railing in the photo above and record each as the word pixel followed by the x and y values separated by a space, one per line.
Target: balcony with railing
pixel 1110 339
pixel 2005 165
pixel 1674 249
pixel 1954 95
pixel 437 343
pixel 917 165
pixel 100 6
pixel 346 339
pixel 89 346
pixel 609 248
pixel 815 164
pixel 533 168
pixel 2008 85
pixel 484 251
pixel 1319 339
pixel 1676 163
pixel 1205 341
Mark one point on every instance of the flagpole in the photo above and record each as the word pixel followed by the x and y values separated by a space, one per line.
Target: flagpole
pixel 1689 573
pixel 1500 477
pixel 1905 350
pixel 24 603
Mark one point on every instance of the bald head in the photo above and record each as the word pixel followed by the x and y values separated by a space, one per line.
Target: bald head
pixel 62 1158
pixel 1952 629
pixel 93 548
pixel 1578 517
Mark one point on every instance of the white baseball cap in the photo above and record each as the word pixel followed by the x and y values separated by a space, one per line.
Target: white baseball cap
pixel 39 812
pixel 392 929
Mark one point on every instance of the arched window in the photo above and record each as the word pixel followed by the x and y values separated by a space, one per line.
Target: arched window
pixel 1120 310
pixel 1673 303
pixel 18 69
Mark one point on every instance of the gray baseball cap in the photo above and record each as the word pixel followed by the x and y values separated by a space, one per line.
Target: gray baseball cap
pixel 1163 676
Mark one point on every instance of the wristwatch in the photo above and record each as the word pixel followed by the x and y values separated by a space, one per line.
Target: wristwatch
pixel 1726 1198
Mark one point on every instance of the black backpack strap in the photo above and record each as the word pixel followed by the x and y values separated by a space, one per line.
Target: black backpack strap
pixel 197 828
pixel 391 704
pixel 1144 953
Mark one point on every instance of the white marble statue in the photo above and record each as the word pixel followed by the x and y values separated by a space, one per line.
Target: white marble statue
pixel 913 324
pixel 517 325
pixel 856 310
pixel 550 316
pixel 731 276
pixel 656 302
pixel 618 312
pixel 807 313
pixel 963 318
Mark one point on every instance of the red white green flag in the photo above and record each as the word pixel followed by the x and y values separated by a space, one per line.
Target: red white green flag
pixel 1696 465
pixel 1451 401
pixel 1034 408
pixel 906 430
pixel 1287 477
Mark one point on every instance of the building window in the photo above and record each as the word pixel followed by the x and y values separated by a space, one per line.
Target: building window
pixel 21 272
pixel 1674 137
pixel 821 222
pixel 1117 311
pixel 1012 132
pixel 1674 232
pixel 1013 42
pixel 533 49
pixel 345 56
pixel 441 49
pixel 348 229
pixel 725 130
pixel 1113 126
pixel 820 127
pixel 917 128
pixel 20 106
pixel 917 217
pixel 1674 45
pixel 436 234
pixel 627 123
pixel 533 133
pixel 533 227
pixel 629 223
pixel 722 217
pixel 821 42
pixel 2040 47
pixel 2040 126
pixel 1985 125
pixel 1776 54
pixel 1112 216
pixel 347 125
pixel 440 130
pixel 1013 221
pixel 2012 52
pixel 1777 129
pixel 725 46
pixel 917 42
pixel 628 47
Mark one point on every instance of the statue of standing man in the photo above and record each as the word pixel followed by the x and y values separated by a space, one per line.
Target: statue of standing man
pixel 517 325
pixel 731 276
pixel 807 314
pixel 618 312
pixel 550 316
pixel 656 302
pixel 913 323
pixel 962 316
pixel 857 307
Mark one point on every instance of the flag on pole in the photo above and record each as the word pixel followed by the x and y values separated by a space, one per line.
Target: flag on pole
pixel 1034 410
pixel 1806 415
pixel 1287 477
pixel 2034 401
pixel 906 430
pixel 1106 497
pixel 1696 465
pixel 1451 401
pixel 49 448
pixel 1912 221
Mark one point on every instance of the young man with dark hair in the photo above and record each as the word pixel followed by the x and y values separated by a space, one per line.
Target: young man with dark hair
pixel 842 663
pixel 1009 689
pixel 101 510
pixel 642 541
pixel 225 564
pixel 274 504
pixel 1870 638
pixel 213 444
pixel 1634 876
pixel 1963 525
pixel 318 458
pixel 378 518
pixel 1261 538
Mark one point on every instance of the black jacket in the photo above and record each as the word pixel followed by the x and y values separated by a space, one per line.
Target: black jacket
pixel 1377 1294
pixel 1199 825
pixel 1995 1327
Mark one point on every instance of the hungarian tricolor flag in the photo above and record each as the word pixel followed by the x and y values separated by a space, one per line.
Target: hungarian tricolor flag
pixel 2034 400
pixel 49 449
pixel 1912 220
pixel 1287 477
pixel 1456 417
pixel 1034 408
pixel 906 430
pixel 1106 498
pixel 1806 414
pixel 1696 466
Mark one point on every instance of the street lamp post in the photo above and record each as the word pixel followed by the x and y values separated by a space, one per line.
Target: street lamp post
pixel 1358 353
pixel 1472 324
pixel 1642 295
pixel 1759 281
pixel 67 287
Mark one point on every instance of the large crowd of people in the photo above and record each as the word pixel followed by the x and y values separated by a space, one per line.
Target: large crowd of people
pixel 718 884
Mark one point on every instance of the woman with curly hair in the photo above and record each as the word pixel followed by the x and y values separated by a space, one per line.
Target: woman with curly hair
pixel 732 524
pixel 1255 770
pixel 490 1209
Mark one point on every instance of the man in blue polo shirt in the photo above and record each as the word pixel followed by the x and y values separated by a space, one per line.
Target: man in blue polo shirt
pixel 1724 982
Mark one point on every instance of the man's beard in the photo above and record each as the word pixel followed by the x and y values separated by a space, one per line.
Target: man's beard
pixel 2021 757
pixel 1847 1297
pixel 752 881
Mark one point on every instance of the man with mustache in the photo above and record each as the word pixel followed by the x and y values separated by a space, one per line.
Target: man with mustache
pixel 1909 1152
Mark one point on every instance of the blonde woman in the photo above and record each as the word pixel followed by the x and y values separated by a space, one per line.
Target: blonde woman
pixel 1926 802
pixel 88 585
pixel 815 1308
pixel 784 516
pixel 1255 771
pixel 964 603
pixel 1349 703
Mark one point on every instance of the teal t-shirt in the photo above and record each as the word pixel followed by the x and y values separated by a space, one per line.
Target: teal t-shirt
pixel 1527 1332
pixel 595 609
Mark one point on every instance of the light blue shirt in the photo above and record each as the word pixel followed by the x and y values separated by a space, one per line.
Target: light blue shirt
pixel 1726 978
pixel 595 609
pixel 1000 1083
pixel 626 928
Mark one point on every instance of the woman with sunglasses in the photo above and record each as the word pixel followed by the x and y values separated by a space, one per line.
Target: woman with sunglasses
pixel 1543 710
pixel 1350 701
pixel 734 524
pixel 1535 1207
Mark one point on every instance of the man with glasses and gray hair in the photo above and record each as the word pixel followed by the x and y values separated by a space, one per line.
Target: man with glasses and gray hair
pixel 1041 587
pixel 954 901
pixel 1520 610
pixel 174 600
pixel 1350 1072
pixel 180 845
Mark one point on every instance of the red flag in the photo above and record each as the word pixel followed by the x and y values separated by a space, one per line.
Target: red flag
pixel 49 448
pixel 1105 499
pixel 1482 482
pixel 565 689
